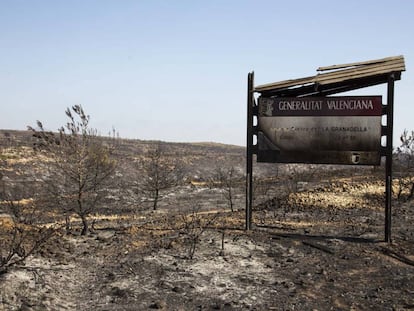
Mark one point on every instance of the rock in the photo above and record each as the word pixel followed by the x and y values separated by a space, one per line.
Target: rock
pixel 156 305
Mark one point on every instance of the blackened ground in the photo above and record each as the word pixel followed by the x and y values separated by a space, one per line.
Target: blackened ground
pixel 319 249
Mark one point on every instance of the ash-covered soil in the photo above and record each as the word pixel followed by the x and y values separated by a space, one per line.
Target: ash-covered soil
pixel 317 241
pixel 319 249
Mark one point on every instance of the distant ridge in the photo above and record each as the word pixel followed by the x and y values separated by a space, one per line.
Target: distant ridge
pixel 26 136
pixel 200 158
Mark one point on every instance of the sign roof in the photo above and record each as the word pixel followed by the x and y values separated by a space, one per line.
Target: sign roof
pixel 337 78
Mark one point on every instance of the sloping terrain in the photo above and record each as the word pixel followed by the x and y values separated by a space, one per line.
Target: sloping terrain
pixel 317 249
pixel 327 262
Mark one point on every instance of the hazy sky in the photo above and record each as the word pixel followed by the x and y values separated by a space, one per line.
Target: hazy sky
pixel 177 70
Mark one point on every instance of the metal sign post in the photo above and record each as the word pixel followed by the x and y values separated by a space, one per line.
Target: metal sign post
pixel 388 156
pixel 249 150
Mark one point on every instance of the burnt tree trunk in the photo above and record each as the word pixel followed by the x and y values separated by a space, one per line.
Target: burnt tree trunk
pixel 155 199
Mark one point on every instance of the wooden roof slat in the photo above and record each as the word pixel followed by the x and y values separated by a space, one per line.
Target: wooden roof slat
pixel 344 74
pixel 370 62
pixel 390 65
pixel 286 83
pixel 357 73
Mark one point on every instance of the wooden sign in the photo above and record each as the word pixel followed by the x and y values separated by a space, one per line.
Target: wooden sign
pixel 324 130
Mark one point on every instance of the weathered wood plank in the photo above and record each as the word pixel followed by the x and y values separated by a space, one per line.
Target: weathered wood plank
pixel 370 62
pixel 346 73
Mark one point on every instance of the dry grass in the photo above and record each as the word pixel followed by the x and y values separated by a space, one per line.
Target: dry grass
pixel 6 223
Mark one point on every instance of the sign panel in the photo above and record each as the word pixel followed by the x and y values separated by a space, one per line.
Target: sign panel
pixel 325 130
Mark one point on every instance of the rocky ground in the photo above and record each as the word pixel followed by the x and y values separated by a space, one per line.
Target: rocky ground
pixel 316 244
pixel 319 249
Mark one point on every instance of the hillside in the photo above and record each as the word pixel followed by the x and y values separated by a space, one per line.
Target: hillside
pixel 200 157
pixel 316 243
